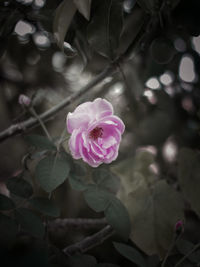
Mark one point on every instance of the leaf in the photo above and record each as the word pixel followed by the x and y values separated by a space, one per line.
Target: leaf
pixel 130 253
pixel 96 198
pixel 83 7
pixel 45 206
pixel 51 172
pixel 8 230
pixel 77 183
pixel 189 176
pixel 106 180
pixel 6 203
pixel 63 18
pixel 40 142
pixel 154 212
pixel 154 206
pixel 19 187
pixel 117 216
pixel 30 222
pixel 104 30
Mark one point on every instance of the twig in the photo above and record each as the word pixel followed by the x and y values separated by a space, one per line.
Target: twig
pixel 188 254
pixel 109 70
pixel 91 241
pixel 34 113
pixel 78 223
pixel 22 126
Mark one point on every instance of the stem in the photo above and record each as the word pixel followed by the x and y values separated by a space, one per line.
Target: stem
pixel 78 223
pixel 33 112
pixel 188 254
pixel 170 249
pixel 91 241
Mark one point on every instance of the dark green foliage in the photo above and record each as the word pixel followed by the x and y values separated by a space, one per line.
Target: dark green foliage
pixel 30 222
pixel 52 171
pixel 8 230
pixel 6 203
pixel 40 142
pixel 19 187
pixel 45 206
pixel 130 253
pixel 115 212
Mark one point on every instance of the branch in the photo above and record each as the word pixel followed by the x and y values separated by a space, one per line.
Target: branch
pixel 109 70
pixel 91 241
pixel 78 223
pixel 23 126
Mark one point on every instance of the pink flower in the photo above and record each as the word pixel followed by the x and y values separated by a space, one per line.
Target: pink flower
pixel 24 100
pixel 95 132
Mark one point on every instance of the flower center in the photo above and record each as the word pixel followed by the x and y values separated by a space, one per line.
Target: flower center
pixel 96 133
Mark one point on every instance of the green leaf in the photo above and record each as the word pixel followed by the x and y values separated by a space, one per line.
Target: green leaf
pixel 77 183
pixel 8 230
pixel 30 222
pixel 83 7
pixel 130 253
pixel 106 180
pixel 97 199
pixel 40 142
pixel 45 206
pixel 19 187
pixel 6 203
pixel 63 18
pixel 189 176
pixel 51 172
pixel 104 30
pixel 154 206
pixel 117 216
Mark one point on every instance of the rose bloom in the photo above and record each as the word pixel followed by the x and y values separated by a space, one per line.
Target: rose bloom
pixel 95 132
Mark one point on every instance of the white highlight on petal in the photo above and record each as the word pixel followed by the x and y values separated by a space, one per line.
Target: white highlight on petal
pixel 186 69
pixel 153 83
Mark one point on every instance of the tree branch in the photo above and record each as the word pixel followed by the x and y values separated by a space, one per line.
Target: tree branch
pixel 91 241
pixel 78 223
pixel 23 126
pixel 109 70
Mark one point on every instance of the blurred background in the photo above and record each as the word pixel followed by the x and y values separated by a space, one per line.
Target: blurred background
pixel 155 88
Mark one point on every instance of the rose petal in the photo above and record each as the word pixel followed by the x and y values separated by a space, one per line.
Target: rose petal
pixel 77 120
pixel 74 142
pixel 112 154
pixel 87 157
pixel 117 121
pixel 101 108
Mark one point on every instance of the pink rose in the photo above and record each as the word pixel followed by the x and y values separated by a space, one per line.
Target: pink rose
pixel 24 100
pixel 95 132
